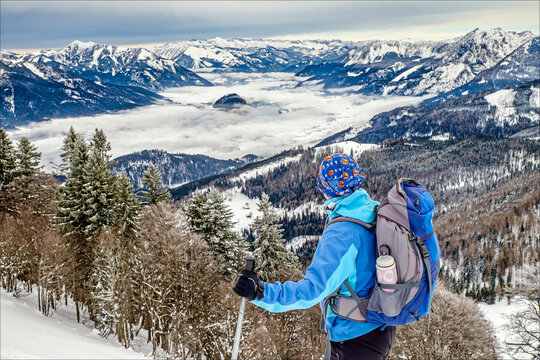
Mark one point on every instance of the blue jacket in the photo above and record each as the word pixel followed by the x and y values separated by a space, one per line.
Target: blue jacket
pixel 346 251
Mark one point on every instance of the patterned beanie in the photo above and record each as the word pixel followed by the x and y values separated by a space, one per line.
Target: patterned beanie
pixel 339 175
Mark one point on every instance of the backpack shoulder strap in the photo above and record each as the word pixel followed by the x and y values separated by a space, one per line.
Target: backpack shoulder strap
pixel 369 226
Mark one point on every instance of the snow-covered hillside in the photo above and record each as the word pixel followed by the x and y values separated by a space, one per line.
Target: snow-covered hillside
pixel 520 66
pixel 499 314
pixel 28 334
pixel 175 169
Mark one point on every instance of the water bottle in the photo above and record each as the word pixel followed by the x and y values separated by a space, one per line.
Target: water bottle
pixel 386 271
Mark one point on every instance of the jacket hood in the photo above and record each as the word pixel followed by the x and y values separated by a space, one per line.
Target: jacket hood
pixel 358 206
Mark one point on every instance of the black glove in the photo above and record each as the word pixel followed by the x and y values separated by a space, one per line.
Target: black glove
pixel 249 286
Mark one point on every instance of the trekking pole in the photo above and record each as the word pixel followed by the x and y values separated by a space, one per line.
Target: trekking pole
pixel 250 266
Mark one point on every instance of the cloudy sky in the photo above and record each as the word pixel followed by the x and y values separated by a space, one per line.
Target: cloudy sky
pixel 49 24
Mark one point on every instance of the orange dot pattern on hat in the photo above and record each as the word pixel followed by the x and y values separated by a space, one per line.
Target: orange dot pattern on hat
pixel 339 175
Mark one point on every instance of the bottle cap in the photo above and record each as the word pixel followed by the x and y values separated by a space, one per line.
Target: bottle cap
pixel 385 261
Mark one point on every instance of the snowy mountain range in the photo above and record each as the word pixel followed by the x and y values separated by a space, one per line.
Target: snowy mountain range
pixel 417 67
pixel 249 55
pixel 112 65
pixel 175 169
pixel 477 62
pixel 84 78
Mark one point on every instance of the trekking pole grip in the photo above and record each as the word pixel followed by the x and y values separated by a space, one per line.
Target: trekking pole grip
pixel 250 264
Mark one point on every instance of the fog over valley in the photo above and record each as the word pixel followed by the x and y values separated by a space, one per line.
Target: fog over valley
pixel 278 116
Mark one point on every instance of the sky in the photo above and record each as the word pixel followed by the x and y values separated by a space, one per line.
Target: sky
pixel 51 24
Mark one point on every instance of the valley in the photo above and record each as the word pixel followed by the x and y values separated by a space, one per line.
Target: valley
pixel 280 116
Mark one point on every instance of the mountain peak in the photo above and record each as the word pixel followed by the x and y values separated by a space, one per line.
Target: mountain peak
pixel 82 44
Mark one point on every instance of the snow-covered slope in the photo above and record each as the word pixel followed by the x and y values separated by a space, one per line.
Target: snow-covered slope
pixel 27 334
pixel 499 314
pixel 520 66
pixel 251 54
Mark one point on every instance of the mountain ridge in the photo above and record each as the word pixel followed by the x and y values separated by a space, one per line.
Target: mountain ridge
pixel 36 92
pixel 120 66
pixel 385 67
pixel 175 168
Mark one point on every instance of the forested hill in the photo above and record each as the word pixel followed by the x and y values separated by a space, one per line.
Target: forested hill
pixel 487 194
pixel 176 168
pixel 491 113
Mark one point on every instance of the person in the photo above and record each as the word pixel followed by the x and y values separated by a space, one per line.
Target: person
pixel 346 251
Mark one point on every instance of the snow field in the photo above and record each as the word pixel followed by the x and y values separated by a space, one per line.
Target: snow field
pixel 503 100
pixel 265 169
pixel 498 314
pixel 244 208
pixel 25 333
pixel 534 100
pixel 347 147
pixel 405 74
pixel 297 242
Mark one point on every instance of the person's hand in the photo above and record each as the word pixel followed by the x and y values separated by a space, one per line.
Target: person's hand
pixel 249 286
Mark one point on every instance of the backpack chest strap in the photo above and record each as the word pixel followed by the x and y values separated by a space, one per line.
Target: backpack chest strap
pixel 369 226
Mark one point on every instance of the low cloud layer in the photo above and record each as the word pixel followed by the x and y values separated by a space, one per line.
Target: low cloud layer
pixel 191 125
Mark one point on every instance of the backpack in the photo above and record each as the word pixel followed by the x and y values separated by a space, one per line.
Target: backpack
pixel 403 229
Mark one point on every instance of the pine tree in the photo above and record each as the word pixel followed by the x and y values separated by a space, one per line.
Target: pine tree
pixel 71 220
pixel 101 145
pixel 7 159
pixel 126 207
pixel 270 252
pixel 84 206
pixel 85 202
pixel 211 218
pixel 28 158
pixel 68 148
pixel 155 191
pixel 97 193
pixel 69 201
